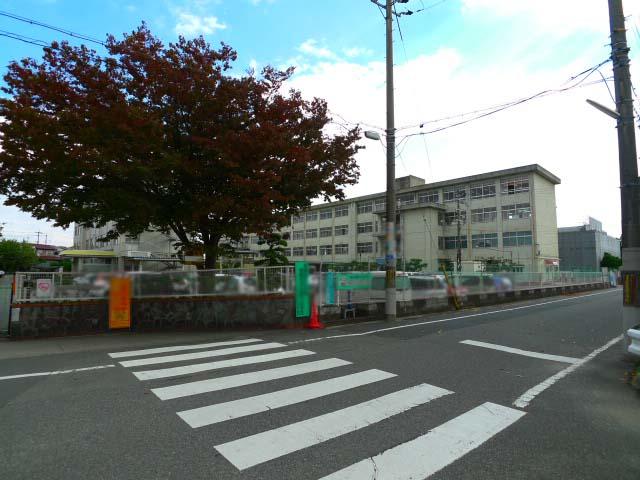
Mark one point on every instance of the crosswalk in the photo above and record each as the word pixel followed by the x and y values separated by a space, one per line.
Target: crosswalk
pixel 416 458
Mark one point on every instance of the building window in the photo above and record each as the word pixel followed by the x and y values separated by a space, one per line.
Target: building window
pixel 298 218
pixel 341 211
pixel 298 251
pixel 312 216
pixel 366 247
pixel 485 240
pixel 380 204
pixel 326 213
pixel 326 232
pixel 341 230
pixel 451 218
pixel 407 198
pixel 313 233
pixel 342 249
pixel 298 234
pixel 325 249
pixel 483 215
pixel 517 239
pixel 483 190
pixel 453 193
pixel 451 243
pixel 428 197
pixel 511 186
pixel 287 252
pixel 518 210
pixel 365 227
pixel 312 251
pixel 365 207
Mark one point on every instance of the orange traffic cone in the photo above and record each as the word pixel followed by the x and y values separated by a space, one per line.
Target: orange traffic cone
pixel 314 320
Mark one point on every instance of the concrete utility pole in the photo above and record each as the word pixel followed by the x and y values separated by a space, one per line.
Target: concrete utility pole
pixel 458 245
pixel 390 251
pixel 629 184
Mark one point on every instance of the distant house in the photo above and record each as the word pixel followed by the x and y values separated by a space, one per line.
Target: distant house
pixel 47 252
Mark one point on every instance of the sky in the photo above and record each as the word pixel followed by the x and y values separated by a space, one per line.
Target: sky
pixel 454 57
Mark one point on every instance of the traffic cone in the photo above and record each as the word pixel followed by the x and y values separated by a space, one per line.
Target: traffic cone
pixel 314 320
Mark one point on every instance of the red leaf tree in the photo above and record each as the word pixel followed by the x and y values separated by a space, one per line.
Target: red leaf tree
pixel 155 137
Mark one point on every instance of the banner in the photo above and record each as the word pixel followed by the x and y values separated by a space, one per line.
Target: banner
pixel 303 290
pixel 120 303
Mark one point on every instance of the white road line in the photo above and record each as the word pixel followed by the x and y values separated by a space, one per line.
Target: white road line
pixel 194 356
pixel 526 353
pixel 203 367
pixel 243 379
pixel 255 449
pixel 523 400
pixel 418 324
pixel 221 412
pixel 433 451
pixel 55 372
pixel 179 348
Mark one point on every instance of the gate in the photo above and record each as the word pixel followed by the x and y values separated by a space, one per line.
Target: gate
pixel 5 303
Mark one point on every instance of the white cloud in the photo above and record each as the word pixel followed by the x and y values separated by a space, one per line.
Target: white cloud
pixel 559 17
pixel 253 64
pixel 258 2
pixel 357 52
pixel 310 47
pixel 190 24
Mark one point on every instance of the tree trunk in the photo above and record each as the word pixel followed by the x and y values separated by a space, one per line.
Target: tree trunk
pixel 211 255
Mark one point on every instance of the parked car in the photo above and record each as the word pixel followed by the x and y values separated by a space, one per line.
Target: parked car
pixel 1 273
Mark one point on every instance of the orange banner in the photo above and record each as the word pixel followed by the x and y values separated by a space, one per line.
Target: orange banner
pixel 120 303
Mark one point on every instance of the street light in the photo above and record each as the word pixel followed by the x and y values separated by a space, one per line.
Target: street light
pixel 606 110
pixel 371 135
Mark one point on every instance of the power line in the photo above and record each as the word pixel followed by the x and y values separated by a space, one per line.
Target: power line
pixel 51 27
pixel 497 110
pixel 22 38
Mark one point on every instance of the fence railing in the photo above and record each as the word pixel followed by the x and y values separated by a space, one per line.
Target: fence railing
pixel 34 287
pixel 348 288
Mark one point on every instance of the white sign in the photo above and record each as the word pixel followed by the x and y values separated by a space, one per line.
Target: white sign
pixel 44 288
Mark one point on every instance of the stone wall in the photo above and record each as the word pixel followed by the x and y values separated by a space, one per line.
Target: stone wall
pixel 163 313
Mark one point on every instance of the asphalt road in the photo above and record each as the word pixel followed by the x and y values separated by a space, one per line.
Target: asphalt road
pixel 377 400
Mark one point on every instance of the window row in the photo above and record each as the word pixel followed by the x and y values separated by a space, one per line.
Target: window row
pixel 325 214
pixel 325 232
pixel 487 240
pixel 340 249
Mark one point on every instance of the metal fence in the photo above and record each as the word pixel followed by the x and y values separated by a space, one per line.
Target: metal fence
pixel 34 287
pixel 348 288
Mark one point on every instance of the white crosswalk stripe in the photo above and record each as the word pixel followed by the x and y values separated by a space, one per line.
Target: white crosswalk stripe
pixel 180 348
pixel 220 412
pixel 203 367
pixel 433 451
pixel 261 447
pixel 197 355
pixel 413 459
pixel 244 379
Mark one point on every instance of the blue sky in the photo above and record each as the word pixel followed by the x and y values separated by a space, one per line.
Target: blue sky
pixel 457 56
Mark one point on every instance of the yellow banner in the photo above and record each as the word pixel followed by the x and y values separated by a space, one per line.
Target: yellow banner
pixel 120 303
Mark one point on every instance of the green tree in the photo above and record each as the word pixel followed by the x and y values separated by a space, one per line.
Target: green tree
pixel 165 137
pixel 16 256
pixel 610 261
pixel 274 255
pixel 415 265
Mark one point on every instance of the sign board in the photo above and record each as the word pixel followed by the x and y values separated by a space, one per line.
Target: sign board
pixel 354 281
pixel 303 290
pixel 120 303
pixel 44 288
pixel 631 285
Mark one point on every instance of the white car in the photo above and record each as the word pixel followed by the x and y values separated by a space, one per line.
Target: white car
pixel 1 273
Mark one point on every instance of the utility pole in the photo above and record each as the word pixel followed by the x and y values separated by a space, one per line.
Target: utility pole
pixel 390 251
pixel 627 156
pixel 38 236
